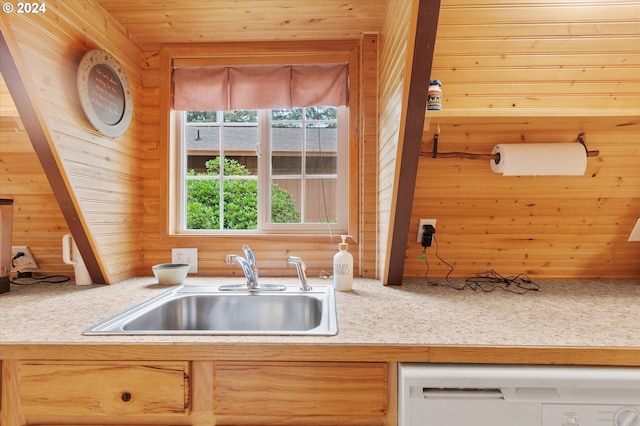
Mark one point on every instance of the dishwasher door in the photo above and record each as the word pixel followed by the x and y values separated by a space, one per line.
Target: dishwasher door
pixel 468 411
pixel 504 395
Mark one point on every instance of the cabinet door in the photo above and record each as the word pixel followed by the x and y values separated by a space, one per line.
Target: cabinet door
pixel 300 389
pixel 102 389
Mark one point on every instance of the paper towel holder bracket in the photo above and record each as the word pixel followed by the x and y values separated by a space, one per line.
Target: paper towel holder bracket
pixel 581 140
pixel 471 156
pixel 496 156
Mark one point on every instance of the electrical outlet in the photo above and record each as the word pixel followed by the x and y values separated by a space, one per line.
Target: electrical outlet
pixel 431 222
pixel 186 255
pixel 635 232
pixel 23 262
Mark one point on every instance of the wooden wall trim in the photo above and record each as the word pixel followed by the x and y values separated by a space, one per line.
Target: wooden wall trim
pixel 39 140
pixel 411 135
pixel 393 51
pixel 369 156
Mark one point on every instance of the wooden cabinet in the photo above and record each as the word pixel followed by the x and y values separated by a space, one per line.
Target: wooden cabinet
pixel 310 392
pixel 86 390
pixel 195 393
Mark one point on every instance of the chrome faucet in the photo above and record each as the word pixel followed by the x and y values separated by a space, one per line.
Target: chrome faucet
pixel 247 268
pixel 302 272
pixel 248 254
pixel 250 269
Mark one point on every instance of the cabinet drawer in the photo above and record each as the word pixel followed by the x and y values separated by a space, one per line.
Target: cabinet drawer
pixel 300 388
pixel 92 389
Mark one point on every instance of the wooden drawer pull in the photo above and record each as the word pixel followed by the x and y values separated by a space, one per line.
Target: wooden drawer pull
pixel 126 396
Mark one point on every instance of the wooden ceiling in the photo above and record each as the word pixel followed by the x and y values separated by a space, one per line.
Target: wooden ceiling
pixel 151 23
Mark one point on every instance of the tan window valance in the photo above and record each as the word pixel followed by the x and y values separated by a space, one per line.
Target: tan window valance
pixel 260 87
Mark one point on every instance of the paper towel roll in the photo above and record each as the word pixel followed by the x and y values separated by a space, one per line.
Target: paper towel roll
pixel 540 159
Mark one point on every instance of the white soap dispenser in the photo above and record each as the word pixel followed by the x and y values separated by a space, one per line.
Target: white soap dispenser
pixel 343 267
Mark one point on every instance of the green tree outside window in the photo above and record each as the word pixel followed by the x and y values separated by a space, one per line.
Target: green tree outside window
pixel 240 199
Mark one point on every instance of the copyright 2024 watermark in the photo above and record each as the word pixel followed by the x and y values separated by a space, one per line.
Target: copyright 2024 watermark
pixel 24 7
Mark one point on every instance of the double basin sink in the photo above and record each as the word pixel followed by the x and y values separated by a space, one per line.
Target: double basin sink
pixel 228 310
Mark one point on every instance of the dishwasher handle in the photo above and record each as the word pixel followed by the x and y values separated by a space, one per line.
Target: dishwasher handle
pixel 462 393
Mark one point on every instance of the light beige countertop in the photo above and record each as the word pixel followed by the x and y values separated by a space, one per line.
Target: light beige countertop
pixel 564 313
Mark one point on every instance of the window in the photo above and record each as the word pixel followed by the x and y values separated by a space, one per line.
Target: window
pixel 276 123
pixel 268 170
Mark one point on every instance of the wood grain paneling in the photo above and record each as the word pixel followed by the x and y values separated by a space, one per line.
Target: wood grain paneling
pixel 545 71
pixel 369 157
pixel 300 389
pixel 547 226
pixel 37 219
pixel 7 107
pixel 419 59
pixel 544 55
pixel 508 68
pixel 103 389
pixel 271 251
pixel 152 24
pixel 393 62
pixel 101 174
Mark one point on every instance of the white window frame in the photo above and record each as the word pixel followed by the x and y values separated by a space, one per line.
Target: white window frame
pixel 263 148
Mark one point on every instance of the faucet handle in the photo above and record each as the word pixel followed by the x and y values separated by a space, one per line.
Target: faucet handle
pixel 302 271
pixel 248 254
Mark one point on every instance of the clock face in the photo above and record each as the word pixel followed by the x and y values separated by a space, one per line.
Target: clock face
pixel 104 93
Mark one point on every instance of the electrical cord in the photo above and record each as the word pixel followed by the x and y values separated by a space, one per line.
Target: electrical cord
pixel 491 280
pixel 486 281
pixel 27 278
pixel 37 279
pixel 17 255
pixel 426 261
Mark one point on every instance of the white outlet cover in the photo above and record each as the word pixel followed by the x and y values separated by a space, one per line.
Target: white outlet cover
pixel 186 255
pixel 635 232
pixel 25 262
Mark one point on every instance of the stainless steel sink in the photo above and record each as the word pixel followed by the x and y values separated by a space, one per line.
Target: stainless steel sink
pixel 225 310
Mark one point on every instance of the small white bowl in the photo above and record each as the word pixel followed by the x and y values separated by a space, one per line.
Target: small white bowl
pixel 170 273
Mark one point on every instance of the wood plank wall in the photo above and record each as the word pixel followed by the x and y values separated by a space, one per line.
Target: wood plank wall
pixel 118 182
pixel 104 174
pixel 569 60
pixel 393 50
pixel 517 72
pixel 38 222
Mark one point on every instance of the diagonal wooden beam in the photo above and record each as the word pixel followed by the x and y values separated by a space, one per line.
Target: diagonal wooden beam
pixel 29 117
pixel 423 46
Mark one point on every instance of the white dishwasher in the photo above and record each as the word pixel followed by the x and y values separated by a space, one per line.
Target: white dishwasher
pixel 517 395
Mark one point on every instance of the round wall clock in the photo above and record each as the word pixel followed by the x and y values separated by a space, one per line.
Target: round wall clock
pixel 104 93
